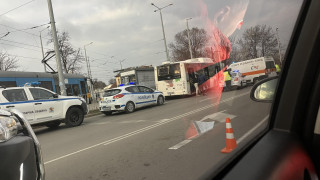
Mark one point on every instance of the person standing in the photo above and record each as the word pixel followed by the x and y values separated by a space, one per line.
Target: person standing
pixel 196 83
pixel 227 79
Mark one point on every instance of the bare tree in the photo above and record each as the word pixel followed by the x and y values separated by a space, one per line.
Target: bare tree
pixel 7 62
pixel 98 84
pixel 257 41
pixel 112 81
pixel 180 47
pixel 71 58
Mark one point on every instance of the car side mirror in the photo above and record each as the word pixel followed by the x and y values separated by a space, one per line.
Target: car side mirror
pixel 55 95
pixel 264 90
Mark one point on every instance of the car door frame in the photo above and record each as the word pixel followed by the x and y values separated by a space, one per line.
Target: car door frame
pixel 146 102
pixel 26 107
pixel 52 108
pixel 290 134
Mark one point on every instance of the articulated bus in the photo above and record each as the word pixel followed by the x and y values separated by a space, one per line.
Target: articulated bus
pixel 76 85
pixel 178 78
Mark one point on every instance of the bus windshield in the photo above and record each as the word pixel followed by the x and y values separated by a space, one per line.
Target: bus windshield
pixel 169 71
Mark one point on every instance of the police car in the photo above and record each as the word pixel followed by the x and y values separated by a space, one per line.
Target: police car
pixel 129 97
pixel 42 106
pixel 237 80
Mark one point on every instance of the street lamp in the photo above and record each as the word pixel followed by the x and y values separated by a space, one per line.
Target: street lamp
pixel 44 65
pixel 88 68
pixel 189 37
pixel 121 63
pixel 164 36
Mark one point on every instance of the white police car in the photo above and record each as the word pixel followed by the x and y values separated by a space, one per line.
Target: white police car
pixel 237 80
pixel 42 106
pixel 128 98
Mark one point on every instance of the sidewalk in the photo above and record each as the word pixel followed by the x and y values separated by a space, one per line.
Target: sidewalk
pixel 93 106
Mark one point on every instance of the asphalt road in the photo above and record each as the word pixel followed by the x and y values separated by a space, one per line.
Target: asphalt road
pixel 181 139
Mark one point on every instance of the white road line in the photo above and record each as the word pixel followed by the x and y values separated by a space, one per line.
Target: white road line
pixel 253 129
pixel 206 99
pixel 98 123
pixel 211 116
pixel 165 121
pixel 179 145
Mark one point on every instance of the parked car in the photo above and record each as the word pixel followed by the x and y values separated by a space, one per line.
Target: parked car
pixel 128 98
pixel 42 106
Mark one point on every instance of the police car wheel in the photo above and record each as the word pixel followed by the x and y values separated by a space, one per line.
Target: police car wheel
pixel 129 107
pixel 74 117
pixel 160 100
pixel 53 124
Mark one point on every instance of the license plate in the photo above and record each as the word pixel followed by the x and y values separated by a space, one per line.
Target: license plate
pixel 106 108
pixel 170 93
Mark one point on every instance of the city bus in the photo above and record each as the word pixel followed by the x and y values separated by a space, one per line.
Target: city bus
pixel 76 85
pixel 178 78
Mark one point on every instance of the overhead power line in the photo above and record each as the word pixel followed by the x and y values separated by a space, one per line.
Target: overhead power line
pixel 20 47
pixel 22 43
pixel 21 30
pixel 16 8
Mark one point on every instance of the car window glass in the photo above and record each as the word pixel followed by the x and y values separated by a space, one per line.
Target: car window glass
pixel 40 94
pixel 145 89
pixel 14 95
pixel 111 92
pixel 132 89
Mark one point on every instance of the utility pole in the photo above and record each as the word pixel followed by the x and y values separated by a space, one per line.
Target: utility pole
pixel 56 49
pixel 89 69
pixel 279 47
pixel 44 65
pixel 189 37
pixel 164 35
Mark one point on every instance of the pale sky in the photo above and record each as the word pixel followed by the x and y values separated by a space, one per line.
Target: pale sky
pixel 124 29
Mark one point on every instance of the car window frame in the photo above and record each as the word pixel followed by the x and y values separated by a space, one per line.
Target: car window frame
pixel 22 90
pixel 152 91
pixel 302 53
pixel 40 89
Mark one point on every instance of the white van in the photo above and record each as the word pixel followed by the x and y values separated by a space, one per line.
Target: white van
pixel 255 69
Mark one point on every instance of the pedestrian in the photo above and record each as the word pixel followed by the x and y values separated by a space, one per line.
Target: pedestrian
pixel 196 83
pixel 278 69
pixel 227 79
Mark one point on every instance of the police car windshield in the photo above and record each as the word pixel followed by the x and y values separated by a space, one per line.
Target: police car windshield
pixel 234 74
pixel 111 92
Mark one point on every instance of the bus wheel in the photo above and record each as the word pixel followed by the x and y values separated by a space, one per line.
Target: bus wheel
pixel 74 117
pixel 129 107
pixel 53 124
pixel 160 100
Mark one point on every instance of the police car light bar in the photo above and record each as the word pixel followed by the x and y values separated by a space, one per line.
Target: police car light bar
pixel 32 84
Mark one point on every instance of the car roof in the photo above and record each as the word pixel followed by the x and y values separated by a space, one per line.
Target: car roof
pixel 121 87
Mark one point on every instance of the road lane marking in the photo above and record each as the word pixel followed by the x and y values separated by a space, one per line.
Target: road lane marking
pixel 219 116
pixel 132 121
pixel 253 129
pixel 102 123
pixel 165 121
pixel 179 145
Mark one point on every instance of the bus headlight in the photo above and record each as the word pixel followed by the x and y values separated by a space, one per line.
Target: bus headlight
pixel 8 128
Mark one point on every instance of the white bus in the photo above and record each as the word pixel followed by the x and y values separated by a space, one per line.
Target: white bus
pixel 178 78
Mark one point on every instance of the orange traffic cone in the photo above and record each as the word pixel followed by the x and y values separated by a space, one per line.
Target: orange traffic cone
pixel 231 143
